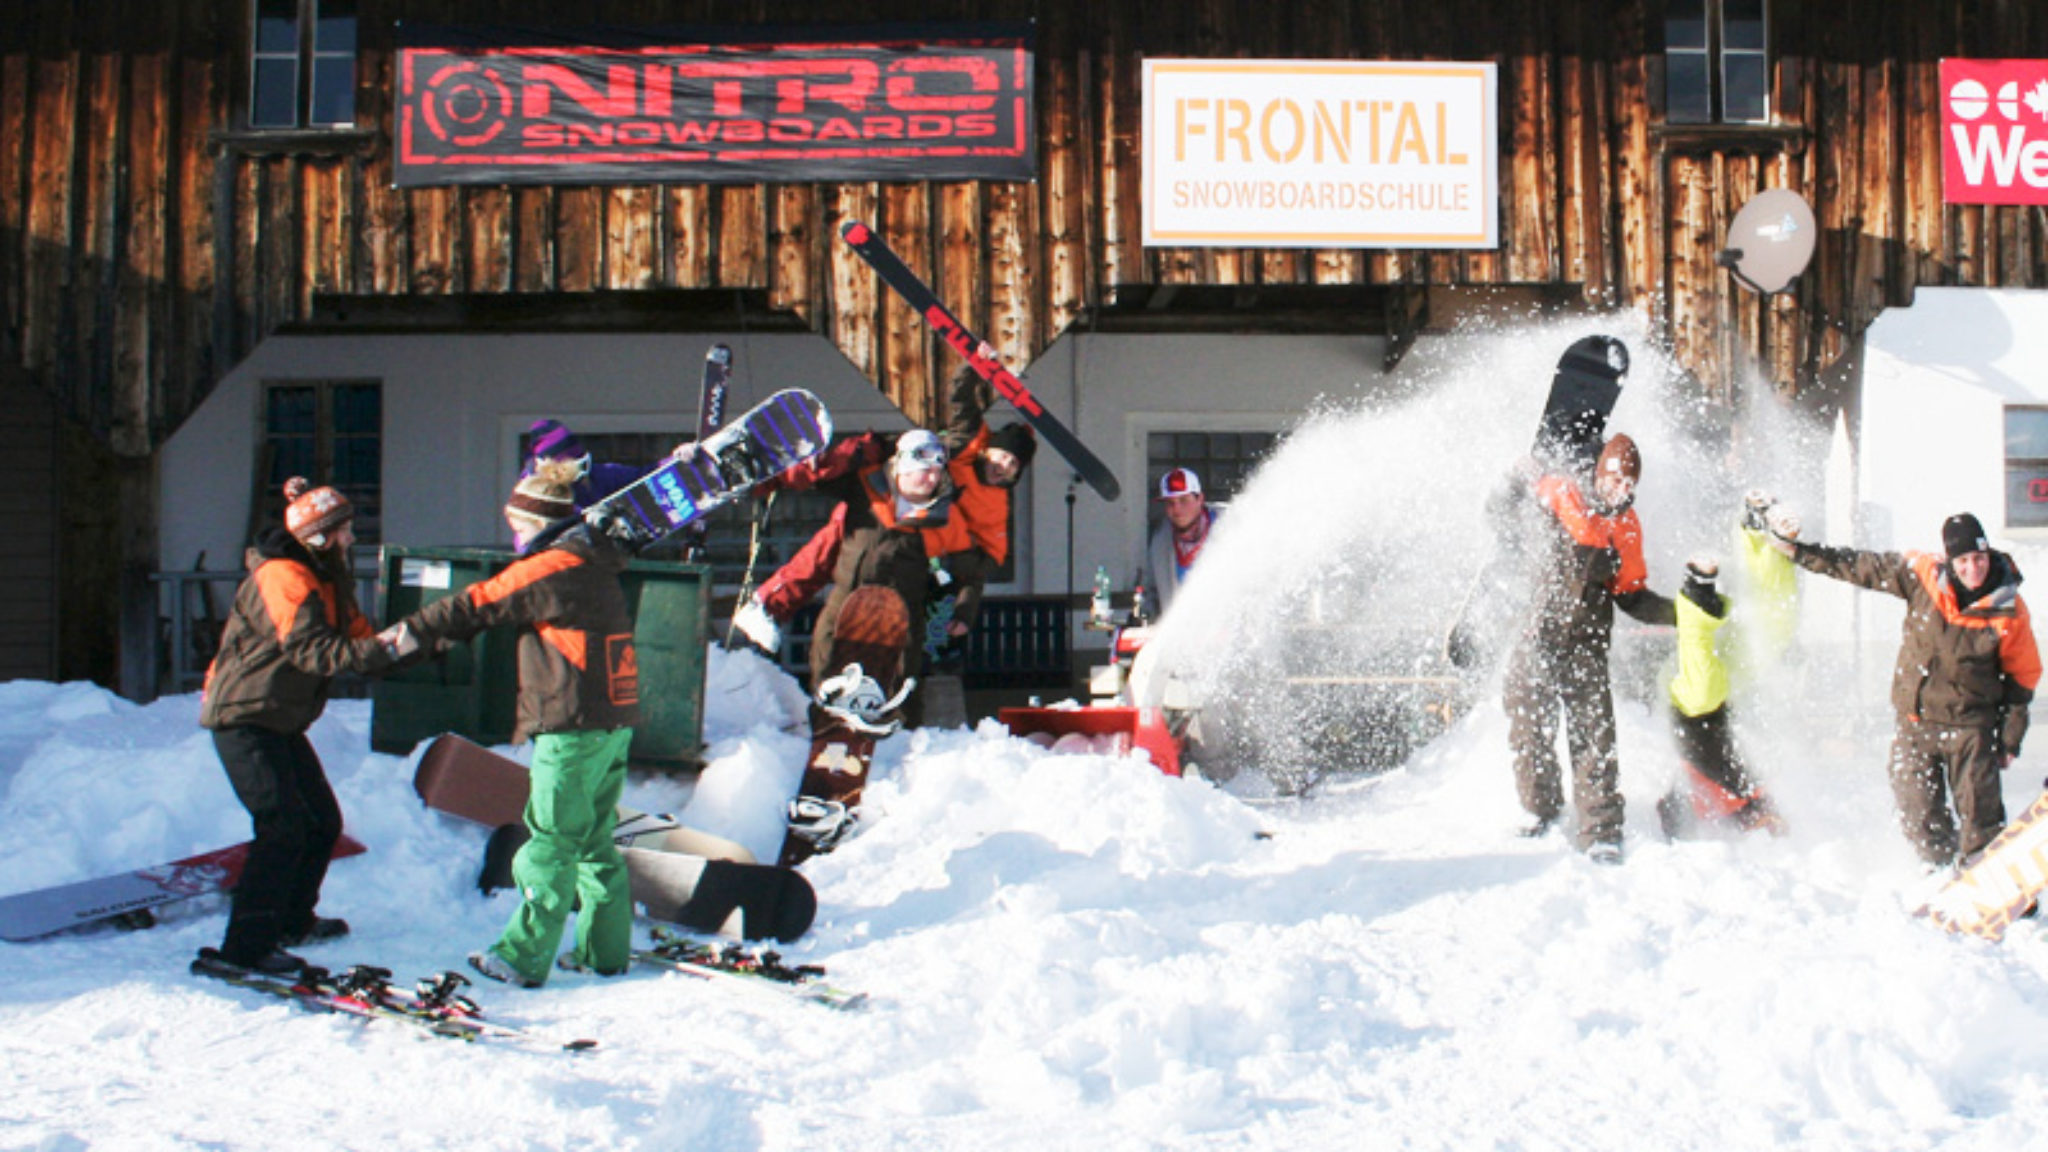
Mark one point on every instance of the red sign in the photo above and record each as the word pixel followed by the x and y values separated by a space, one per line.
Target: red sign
pixel 928 103
pixel 1994 131
pixel 2037 491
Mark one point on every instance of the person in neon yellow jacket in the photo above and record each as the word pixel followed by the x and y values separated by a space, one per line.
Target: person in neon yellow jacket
pixel 1716 782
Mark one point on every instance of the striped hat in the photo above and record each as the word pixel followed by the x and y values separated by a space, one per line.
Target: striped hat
pixel 311 513
pixel 545 496
pixel 550 440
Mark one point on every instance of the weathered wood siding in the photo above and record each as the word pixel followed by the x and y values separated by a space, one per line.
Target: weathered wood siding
pixel 146 245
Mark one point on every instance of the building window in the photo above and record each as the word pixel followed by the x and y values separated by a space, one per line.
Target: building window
pixel 1223 460
pixel 303 64
pixel 1717 62
pixel 330 432
pixel 2026 467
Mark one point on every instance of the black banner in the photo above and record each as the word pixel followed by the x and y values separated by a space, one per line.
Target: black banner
pixel 895 102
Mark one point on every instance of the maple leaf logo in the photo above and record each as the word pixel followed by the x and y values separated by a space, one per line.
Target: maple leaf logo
pixel 2037 98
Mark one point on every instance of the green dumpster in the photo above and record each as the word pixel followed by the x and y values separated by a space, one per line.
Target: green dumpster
pixel 471 690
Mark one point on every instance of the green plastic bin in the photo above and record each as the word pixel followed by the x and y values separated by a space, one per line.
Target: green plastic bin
pixel 471 690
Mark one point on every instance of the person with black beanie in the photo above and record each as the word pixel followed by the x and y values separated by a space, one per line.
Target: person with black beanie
pixel 1965 677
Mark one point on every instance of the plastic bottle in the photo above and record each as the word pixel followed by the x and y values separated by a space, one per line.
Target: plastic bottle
pixel 1098 604
pixel 1139 616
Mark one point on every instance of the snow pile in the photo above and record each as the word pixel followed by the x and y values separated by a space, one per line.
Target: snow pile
pixel 1065 952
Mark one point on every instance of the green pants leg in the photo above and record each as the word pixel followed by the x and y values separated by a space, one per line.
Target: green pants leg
pixel 572 809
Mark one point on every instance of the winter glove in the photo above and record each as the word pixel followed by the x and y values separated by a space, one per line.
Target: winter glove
pixel 1756 503
pixel 1700 575
pixel 399 641
pixel 1461 648
pixel 2012 729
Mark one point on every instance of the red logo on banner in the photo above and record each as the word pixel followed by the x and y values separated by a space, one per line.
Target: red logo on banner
pixel 945 102
pixel 1994 131
pixel 2037 491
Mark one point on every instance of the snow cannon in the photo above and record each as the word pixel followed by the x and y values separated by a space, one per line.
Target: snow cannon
pixel 1099 729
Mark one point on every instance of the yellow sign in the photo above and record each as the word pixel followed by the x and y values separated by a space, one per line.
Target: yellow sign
pixel 1320 154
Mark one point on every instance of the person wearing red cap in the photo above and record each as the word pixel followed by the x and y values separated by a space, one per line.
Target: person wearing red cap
pixel 1586 545
pixel 1178 541
pixel 1962 686
pixel 294 627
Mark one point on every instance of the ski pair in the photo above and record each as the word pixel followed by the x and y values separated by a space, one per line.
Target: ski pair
pixel 436 1005
pixel 753 967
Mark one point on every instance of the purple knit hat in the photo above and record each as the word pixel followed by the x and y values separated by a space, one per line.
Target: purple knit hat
pixel 549 440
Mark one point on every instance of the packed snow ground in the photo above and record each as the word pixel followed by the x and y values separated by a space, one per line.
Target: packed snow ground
pixel 1064 952
pixel 1078 952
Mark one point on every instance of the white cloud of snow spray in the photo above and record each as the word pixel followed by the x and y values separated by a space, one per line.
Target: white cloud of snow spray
pixel 1313 626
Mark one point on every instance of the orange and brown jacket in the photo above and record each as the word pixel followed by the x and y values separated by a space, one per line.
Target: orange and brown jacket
pixel 578 671
pixel 1964 667
pixel 294 627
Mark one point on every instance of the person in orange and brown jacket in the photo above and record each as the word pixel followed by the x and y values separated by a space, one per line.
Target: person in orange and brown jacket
pixel 982 466
pixel 1587 559
pixel 896 515
pixel 1963 683
pixel 293 628
pixel 579 698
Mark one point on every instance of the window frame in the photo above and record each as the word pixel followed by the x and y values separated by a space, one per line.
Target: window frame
pixel 368 498
pixel 1716 56
pixel 2034 469
pixel 306 58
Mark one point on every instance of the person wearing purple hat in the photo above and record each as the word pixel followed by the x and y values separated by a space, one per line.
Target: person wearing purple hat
pixel 551 440
pixel 1961 687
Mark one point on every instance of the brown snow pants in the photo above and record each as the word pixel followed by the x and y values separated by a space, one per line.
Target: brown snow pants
pixel 1931 763
pixel 1542 681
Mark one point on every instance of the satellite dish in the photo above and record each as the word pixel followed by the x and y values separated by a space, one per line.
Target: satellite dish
pixel 1770 241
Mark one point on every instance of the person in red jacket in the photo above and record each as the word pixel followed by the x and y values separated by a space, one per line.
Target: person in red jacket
pixel 1964 681
pixel 579 698
pixel 1587 549
pixel 293 628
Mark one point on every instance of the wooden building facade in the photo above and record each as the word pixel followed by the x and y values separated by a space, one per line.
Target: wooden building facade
pixel 150 237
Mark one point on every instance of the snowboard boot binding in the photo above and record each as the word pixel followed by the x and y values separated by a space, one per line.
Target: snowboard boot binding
pixel 821 824
pixel 859 701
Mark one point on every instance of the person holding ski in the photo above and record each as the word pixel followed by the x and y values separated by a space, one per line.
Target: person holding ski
pixel 1586 544
pixel 983 466
pixel 1961 688
pixel 896 514
pixel 293 628
pixel 1177 542
pixel 1716 783
pixel 579 696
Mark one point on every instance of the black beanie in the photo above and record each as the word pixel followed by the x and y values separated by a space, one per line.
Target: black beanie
pixel 1963 533
pixel 1017 440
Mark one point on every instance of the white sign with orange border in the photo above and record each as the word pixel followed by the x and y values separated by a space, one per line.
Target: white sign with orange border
pixel 1321 154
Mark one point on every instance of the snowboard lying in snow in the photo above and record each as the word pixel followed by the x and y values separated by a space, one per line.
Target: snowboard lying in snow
pixel 2007 878
pixel 681 875
pixel 27 915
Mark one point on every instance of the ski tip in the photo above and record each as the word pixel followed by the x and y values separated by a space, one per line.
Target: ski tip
pixel 719 354
pixel 580 1046
pixel 855 232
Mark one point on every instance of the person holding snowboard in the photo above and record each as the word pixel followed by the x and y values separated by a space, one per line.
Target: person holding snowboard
pixel 579 697
pixel 1716 783
pixel 294 627
pixel 1961 688
pixel 1586 547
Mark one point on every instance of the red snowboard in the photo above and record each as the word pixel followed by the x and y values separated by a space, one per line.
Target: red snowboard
pixel 862 683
